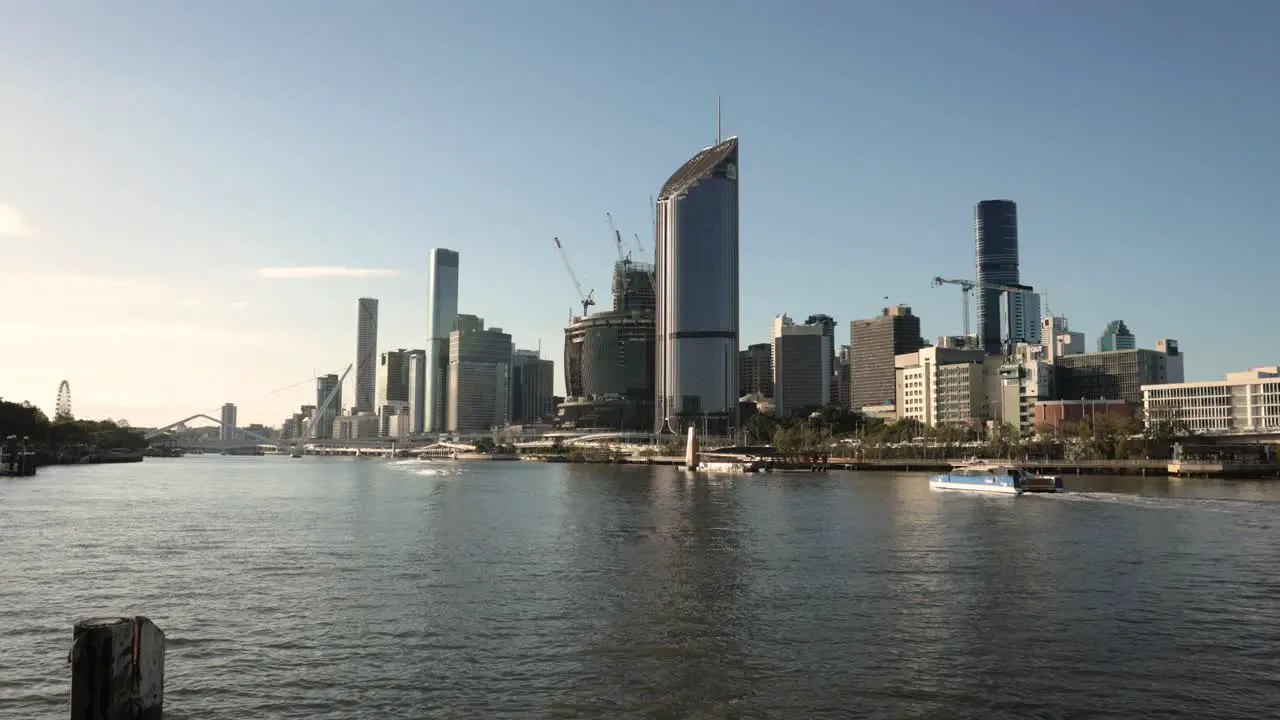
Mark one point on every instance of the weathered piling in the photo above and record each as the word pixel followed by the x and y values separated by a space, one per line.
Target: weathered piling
pixel 117 669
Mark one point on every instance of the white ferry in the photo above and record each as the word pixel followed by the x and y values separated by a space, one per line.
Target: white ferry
pixel 982 476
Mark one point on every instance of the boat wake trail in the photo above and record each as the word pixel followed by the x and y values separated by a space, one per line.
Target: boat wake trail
pixel 1154 502
pixel 425 468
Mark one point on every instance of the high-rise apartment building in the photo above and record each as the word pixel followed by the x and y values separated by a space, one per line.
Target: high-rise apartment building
pixel 801 367
pixel 828 325
pixel 366 353
pixel 479 380
pixel 532 388
pixel 844 378
pixel 873 345
pixel 755 370
pixel 227 431
pixel 995 232
pixel 697 294
pixel 1116 336
pixel 417 391
pixel 322 424
pixel 442 314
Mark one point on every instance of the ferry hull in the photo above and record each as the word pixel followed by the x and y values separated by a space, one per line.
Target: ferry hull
pixel 975 487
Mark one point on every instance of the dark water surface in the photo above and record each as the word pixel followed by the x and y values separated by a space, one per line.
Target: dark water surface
pixel 324 588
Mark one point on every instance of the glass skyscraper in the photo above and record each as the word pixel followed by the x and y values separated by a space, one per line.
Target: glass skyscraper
pixel 995 233
pixel 697 294
pixel 366 353
pixel 442 315
pixel 1116 336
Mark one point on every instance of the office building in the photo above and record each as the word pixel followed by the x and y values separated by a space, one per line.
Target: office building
pixel 417 391
pixel 935 385
pixel 322 423
pixel 1115 374
pixel 227 430
pixel 609 371
pixel 1058 339
pixel 995 232
pixel 1049 414
pixel 1243 402
pixel 697 294
pixel 393 377
pixel 1020 317
pixel 828 325
pixel 479 379
pixel 532 387
pixel 801 367
pixel 844 378
pixel 873 345
pixel 366 353
pixel 442 314
pixel 1116 336
pixel 468 323
pixel 755 371
pixel 361 426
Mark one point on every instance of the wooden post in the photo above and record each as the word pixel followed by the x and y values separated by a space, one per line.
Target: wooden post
pixel 117 669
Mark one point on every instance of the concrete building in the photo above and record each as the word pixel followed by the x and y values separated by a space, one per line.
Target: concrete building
pixel 995 233
pixel 873 345
pixel 1243 402
pixel 1115 374
pixel 393 377
pixel 366 353
pixel 417 391
pixel 479 379
pixel 322 426
pixel 442 315
pixel 828 325
pixel 755 370
pixel 1058 339
pixel 1116 336
pixel 1053 413
pixel 227 430
pixel 468 323
pixel 609 362
pixel 633 287
pixel 532 387
pixel 697 294
pixel 844 379
pixel 936 385
pixel 801 357
pixel 361 426
pixel 1026 379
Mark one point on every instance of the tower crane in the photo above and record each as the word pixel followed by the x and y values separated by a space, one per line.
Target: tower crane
pixel 623 255
pixel 587 299
pixel 966 286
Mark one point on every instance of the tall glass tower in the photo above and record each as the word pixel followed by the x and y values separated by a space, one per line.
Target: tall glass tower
pixel 442 315
pixel 995 233
pixel 696 372
pixel 366 353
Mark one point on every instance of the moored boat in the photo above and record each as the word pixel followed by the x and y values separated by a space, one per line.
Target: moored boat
pixel 982 476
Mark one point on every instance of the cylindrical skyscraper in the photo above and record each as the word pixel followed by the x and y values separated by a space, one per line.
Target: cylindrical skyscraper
pixel 442 315
pixel 995 233
pixel 697 295
pixel 366 354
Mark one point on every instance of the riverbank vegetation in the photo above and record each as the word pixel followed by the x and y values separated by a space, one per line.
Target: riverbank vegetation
pixel 66 435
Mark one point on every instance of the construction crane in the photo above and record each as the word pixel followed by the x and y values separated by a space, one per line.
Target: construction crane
pixel 623 255
pixel 966 286
pixel 587 299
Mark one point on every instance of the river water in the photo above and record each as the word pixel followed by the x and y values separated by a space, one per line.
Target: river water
pixel 345 588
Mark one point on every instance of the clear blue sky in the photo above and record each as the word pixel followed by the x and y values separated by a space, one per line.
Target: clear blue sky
pixel 155 155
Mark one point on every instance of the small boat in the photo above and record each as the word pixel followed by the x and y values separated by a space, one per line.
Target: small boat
pixel 745 465
pixel 983 476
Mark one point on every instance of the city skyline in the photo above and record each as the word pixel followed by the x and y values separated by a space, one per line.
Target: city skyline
pixel 236 258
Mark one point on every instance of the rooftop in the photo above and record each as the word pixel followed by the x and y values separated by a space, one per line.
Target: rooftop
pixel 698 167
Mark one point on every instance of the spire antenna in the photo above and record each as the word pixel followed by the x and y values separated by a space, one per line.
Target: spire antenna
pixel 717 119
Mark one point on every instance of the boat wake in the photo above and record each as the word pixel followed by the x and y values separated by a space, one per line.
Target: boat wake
pixel 1157 502
pixel 425 468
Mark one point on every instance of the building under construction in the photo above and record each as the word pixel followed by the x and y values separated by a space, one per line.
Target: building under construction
pixel 609 357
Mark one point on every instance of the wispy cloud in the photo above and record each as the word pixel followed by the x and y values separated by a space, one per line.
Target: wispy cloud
pixel 14 224
pixel 311 273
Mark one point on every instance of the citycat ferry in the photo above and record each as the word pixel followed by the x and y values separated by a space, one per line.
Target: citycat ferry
pixel 983 476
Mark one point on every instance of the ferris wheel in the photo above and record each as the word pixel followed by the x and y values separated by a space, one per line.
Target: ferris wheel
pixel 64 400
